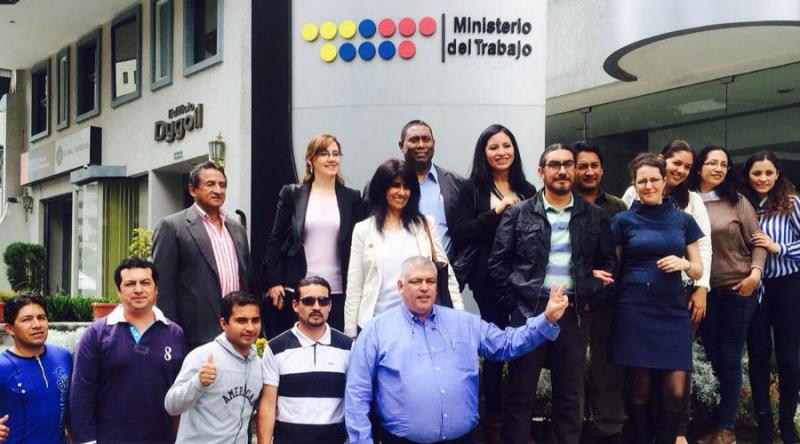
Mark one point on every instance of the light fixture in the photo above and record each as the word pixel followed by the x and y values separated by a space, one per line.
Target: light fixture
pixel 216 150
pixel 27 202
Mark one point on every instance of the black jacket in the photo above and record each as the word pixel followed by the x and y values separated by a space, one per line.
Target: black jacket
pixel 475 225
pixel 285 262
pixel 521 249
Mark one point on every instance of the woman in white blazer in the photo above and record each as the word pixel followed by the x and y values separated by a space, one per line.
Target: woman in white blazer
pixel 394 232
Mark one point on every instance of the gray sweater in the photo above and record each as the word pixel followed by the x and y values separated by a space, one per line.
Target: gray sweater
pixel 219 413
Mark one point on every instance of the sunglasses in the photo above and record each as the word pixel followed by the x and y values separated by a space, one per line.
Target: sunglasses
pixel 309 301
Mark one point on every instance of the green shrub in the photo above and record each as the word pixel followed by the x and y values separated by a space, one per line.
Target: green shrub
pixel 6 295
pixel 59 308
pixel 141 243
pixel 25 267
pixel 82 308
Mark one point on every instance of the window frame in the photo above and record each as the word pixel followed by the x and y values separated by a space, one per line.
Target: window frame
pixel 190 67
pixel 155 81
pixel 136 12
pixel 43 66
pixel 63 84
pixel 95 36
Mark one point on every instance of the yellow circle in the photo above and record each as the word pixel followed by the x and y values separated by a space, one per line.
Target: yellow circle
pixel 327 53
pixel 347 29
pixel 327 30
pixel 310 32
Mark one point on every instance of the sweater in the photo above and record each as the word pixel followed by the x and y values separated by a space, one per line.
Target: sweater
pixel 118 386
pixel 732 227
pixel 219 413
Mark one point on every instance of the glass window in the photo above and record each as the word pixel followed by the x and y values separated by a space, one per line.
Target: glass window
pixel 202 34
pixel 62 98
pixel 87 81
pixel 161 43
pixel 89 230
pixel 126 49
pixel 40 78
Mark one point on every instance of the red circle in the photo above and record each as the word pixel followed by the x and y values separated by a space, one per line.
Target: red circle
pixel 427 26
pixel 407 27
pixel 386 27
pixel 406 49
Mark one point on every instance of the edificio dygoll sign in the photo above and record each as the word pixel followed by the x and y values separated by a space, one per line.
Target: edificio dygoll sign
pixel 183 118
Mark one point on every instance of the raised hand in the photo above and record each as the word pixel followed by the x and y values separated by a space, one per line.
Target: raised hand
pixel 208 372
pixel 276 294
pixel 557 304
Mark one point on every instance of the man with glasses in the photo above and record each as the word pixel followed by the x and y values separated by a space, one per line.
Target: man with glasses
pixel 304 374
pixel 556 238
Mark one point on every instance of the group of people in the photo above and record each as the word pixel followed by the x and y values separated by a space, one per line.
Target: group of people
pixel 368 338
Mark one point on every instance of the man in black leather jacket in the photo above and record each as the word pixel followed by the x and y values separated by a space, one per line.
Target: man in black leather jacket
pixel 556 238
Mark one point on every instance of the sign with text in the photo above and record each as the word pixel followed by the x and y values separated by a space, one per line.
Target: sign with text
pixel 183 118
pixel 66 154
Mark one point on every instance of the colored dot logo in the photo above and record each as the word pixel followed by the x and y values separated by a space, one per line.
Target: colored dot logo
pixel 395 38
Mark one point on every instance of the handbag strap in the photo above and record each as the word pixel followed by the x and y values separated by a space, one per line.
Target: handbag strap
pixel 430 238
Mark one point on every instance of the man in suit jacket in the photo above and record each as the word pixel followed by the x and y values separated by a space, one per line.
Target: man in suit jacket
pixel 439 187
pixel 201 255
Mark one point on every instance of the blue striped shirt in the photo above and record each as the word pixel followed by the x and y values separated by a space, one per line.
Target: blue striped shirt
pixel 559 265
pixel 784 229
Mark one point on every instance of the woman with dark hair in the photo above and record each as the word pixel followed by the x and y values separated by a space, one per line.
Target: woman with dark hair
pixel 495 183
pixel 736 270
pixel 311 234
pixel 652 330
pixel 395 231
pixel 778 207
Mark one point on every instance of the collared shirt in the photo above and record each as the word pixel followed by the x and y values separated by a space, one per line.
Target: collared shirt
pixel 431 204
pixel 784 229
pixel 224 251
pixel 310 376
pixel 559 265
pixel 424 374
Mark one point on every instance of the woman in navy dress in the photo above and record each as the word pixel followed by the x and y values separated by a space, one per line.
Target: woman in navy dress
pixel 652 330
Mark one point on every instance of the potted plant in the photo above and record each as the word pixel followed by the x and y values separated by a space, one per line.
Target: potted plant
pixel 5 295
pixel 25 267
pixel 104 307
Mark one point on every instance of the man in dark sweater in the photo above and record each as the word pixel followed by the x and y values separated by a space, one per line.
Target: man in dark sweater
pixel 124 365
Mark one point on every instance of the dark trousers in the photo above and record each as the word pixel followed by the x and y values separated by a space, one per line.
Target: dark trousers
pixel 606 381
pixel 724 331
pixel 469 438
pixel 780 309
pixel 567 356
pixel 492 382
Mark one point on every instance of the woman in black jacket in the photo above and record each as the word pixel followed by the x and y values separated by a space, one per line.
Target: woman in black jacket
pixel 311 233
pixel 495 183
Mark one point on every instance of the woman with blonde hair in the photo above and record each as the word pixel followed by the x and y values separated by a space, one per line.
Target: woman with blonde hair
pixel 311 234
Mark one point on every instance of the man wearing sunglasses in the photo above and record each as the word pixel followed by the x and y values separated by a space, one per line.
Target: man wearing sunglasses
pixel 304 374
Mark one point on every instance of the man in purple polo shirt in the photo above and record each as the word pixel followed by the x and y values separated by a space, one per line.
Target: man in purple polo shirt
pixel 124 365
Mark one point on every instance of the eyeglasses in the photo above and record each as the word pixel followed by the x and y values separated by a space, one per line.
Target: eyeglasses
pixel 713 164
pixel 326 153
pixel 309 301
pixel 556 165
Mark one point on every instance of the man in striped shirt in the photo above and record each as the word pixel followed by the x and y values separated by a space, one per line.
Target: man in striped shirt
pixel 202 255
pixel 304 375
pixel 554 239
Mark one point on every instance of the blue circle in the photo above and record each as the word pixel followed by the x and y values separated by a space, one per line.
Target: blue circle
pixel 366 28
pixel 347 52
pixel 366 50
pixel 386 50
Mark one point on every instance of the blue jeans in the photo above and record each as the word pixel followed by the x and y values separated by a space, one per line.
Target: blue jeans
pixel 724 332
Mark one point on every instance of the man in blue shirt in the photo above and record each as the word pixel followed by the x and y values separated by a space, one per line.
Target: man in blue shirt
pixel 421 363
pixel 438 186
pixel 34 377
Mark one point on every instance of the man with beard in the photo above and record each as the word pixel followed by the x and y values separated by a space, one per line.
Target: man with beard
pixel 555 238
pixel 439 187
pixel 35 377
pixel 607 382
pixel 304 374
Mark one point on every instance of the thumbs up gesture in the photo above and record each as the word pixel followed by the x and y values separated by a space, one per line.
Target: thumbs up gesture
pixel 557 304
pixel 4 430
pixel 208 372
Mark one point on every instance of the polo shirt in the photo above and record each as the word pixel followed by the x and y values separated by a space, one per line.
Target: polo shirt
pixel 559 265
pixel 34 394
pixel 310 376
